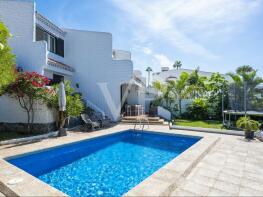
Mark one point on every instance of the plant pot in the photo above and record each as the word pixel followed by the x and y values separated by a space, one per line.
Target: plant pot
pixel 249 135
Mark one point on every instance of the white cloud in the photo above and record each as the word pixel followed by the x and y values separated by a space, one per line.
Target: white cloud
pixel 147 50
pixel 175 20
pixel 163 60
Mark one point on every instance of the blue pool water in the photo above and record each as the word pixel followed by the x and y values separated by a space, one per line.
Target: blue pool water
pixel 105 166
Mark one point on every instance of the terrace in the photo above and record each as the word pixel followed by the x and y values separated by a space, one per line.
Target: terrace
pixel 216 165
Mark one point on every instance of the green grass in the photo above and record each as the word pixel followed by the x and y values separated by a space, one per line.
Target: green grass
pixel 199 123
pixel 13 135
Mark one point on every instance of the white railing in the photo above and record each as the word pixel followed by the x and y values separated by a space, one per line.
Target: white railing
pixel 121 55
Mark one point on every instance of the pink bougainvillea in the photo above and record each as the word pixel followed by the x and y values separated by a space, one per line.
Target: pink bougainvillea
pixel 28 88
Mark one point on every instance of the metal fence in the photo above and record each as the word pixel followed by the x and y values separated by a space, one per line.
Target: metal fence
pixel 245 98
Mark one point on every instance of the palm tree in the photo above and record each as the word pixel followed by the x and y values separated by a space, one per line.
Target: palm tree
pixel 179 88
pixel 246 74
pixel 149 70
pixel 174 89
pixel 177 64
pixel 245 78
pixel 196 83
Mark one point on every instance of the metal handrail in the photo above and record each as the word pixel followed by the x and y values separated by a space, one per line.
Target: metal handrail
pixel 142 123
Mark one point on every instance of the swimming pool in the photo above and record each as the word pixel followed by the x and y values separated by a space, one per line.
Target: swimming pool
pixel 108 166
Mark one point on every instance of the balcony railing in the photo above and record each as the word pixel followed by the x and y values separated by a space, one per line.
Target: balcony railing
pixel 60 65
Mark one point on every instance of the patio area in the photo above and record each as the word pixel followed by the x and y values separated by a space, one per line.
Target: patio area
pixel 226 166
pixel 232 168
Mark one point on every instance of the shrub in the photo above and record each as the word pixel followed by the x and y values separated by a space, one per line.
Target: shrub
pixel 75 105
pixel 28 88
pixel 198 110
pixel 248 125
pixel 7 60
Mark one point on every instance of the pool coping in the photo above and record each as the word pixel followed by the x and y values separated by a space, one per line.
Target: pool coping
pixel 209 130
pixel 16 182
pixel 171 175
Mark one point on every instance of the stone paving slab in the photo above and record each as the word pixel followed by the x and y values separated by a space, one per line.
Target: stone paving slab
pixel 232 168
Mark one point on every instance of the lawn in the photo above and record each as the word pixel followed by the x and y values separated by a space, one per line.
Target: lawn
pixel 13 135
pixel 199 123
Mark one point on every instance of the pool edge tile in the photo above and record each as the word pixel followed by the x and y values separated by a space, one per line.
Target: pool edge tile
pixel 181 166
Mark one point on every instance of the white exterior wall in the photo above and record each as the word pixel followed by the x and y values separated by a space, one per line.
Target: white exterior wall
pixel 99 76
pixel 89 53
pixel 19 17
pixel 11 112
pixel 121 55
pixel 136 95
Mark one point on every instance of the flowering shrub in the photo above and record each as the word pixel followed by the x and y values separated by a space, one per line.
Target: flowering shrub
pixel 28 88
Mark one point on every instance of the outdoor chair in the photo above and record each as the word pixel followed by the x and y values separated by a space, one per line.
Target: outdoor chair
pixel 88 121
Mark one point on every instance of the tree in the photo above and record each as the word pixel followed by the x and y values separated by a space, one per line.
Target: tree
pixel 7 60
pixel 196 84
pixel 217 98
pixel 245 81
pixel 149 70
pixel 28 88
pixel 166 94
pixel 75 105
pixel 177 64
pixel 180 88
pixel 173 90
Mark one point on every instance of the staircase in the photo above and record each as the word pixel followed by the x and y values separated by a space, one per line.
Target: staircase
pixel 152 120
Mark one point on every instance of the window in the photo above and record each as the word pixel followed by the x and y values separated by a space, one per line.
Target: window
pixel 57 79
pixel 41 35
pixel 60 47
pixel 55 45
pixel 52 44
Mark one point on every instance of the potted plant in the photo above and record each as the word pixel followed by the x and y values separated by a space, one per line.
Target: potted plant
pixel 248 125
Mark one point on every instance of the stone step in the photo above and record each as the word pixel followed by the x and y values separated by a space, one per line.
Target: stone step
pixel 135 118
pixel 150 123
pixel 156 122
pixel 160 120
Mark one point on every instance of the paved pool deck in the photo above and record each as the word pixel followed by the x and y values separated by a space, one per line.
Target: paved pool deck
pixel 218 165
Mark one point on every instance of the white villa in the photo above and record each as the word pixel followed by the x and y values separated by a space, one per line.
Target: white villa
pixel 167 74
pixel 86 58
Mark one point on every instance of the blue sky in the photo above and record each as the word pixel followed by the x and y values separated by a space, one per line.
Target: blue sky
pixel 216 35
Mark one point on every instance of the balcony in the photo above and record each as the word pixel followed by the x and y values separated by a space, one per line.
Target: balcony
pixel 59 67
pixel 121 55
